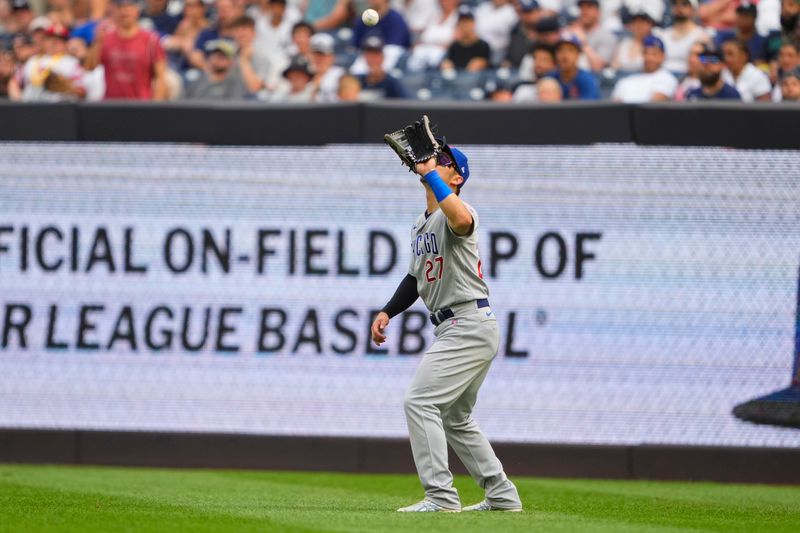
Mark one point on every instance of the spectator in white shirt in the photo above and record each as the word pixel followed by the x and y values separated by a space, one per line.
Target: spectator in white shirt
pixel 494 21
pixel 598 43
pixel 751 82
pixel 680 37
pixel 655 84
pixel 788 59
pixel 326 74
pixel 629 56
pixel 436 38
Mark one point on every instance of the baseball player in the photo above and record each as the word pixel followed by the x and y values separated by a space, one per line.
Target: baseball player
pixel 445 271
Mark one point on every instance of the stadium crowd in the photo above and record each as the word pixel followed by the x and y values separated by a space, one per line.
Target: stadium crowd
pixel 321 51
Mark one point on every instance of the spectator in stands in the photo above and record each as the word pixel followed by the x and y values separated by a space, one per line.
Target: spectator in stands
pixel 599 44
pixel 746 31
pixel 53 76
pixel 712 85
pixel 274 28
pixel 788 60
pixel 181 44
pixel 255 63
pixel 134 62
pixel 221 79
pixel 751 82
pixel 547 32
pixel 391 28
pixel 23 48
pixel 680 37
pixel 227 12
pixel 419 14
pixel 296 86
pixel 325 15
pixel 790 86
pixel 93 80
pixel 494 20
pixel 498 91
pixel 524 33
pixel 301 40
pixel 692 79
pixel 655 84
pixel 576 83
pixel 376 83
pixel 718 14
pixel 156 18
pixel 61 11
pixel 7 68
pixel 544 62
pixel 629 56
pixel 468 52
pixel 21 17
pixel 790 20
pixel 548 90
pixel 435 39
pixel 326 73
pixel 349 89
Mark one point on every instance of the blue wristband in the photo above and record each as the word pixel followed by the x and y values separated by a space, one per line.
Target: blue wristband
pixel 437 184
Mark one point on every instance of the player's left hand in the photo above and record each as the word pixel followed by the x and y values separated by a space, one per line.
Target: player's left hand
pixel 426 166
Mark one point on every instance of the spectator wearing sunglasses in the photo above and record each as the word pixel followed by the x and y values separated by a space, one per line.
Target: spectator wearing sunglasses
pixel 679 38
pixel 712 85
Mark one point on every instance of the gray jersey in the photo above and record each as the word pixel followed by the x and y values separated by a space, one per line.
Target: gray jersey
pixel 446 265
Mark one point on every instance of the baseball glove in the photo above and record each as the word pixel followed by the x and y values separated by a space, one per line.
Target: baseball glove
pixel 56 83
pixel 414 144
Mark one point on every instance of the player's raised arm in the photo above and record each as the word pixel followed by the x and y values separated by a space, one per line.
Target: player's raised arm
pixel 403 298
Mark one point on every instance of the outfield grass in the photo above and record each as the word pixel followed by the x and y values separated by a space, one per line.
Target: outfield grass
pixel 55 498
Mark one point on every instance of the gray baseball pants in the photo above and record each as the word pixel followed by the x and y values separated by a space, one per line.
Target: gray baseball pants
pixel 439 404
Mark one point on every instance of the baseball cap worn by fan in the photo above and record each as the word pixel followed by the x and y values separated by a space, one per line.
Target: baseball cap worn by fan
pixel 298 64
pixel 465 12
pixel 710 54
pixel 747 8
pixel 651 41
pixel 528 5
pixel 322 43
pixel 20 5
pixel 570 38
pixel 223 46
pixel 57 30
pixel 373 42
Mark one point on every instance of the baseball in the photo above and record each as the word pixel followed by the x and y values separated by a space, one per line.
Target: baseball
pixel 370 17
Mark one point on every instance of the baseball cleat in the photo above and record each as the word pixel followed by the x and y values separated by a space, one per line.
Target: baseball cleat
pixel 486 506
pixel 427 506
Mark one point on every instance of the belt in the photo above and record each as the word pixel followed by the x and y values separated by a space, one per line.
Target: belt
pixel 437 317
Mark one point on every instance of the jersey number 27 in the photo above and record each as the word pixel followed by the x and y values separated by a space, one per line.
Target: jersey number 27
pixel 429 267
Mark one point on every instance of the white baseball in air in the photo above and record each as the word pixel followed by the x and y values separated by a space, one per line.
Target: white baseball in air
pixel 370 17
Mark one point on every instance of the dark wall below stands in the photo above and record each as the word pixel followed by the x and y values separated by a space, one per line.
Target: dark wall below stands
pixel 709 124
pixel 199 450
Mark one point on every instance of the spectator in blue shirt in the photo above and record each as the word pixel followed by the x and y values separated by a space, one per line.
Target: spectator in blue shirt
pixel 712 86
pixel 576 83
pixel 746 31
pixel 376 83
pixel 155 11
pixel 391 27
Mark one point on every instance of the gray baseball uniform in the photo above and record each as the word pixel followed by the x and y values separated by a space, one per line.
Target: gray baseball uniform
pixel 439 402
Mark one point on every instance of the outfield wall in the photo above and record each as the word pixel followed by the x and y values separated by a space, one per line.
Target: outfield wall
pixel 641 292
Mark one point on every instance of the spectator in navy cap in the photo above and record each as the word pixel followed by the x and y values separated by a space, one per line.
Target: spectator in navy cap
pixel 746 31
pixel 576 83
pixel 377 83
pixel 598 43
pixel 468 52
pixel 654 84
pixel 629 56
pixel 712 86
pixel 21 16
pixel 547 31
pixel 524 33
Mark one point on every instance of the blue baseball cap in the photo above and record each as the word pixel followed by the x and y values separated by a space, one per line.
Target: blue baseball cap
pixel 651 41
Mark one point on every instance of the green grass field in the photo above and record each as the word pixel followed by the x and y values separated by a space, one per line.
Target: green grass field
pixel 54 498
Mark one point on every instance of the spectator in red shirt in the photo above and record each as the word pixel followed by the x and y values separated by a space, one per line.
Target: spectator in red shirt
pixel 134 61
